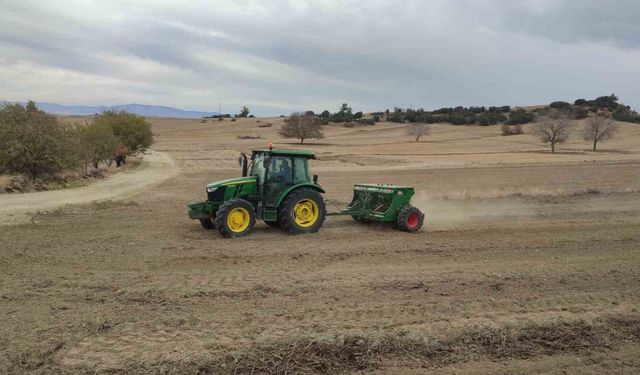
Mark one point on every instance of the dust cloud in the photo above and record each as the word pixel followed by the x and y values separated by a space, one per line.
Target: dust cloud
pixel 443 214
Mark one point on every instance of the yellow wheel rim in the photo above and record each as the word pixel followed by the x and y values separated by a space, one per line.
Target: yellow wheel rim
pixel 305 213
pixel 238 220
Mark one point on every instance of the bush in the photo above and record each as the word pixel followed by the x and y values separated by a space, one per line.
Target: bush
pixel 366 121
pixel 376 118
pixel 560 105
pixel 520 116
pixel 511 129
pixel 34 142
pixel 580 113
pixel 131 130
pixel 98 143
pixel 626 114
pixel 610 102
pixel 580 102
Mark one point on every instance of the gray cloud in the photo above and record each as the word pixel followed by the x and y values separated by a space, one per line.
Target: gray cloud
pixel 278 56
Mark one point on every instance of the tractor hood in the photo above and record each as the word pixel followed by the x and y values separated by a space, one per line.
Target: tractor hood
pixel 231 181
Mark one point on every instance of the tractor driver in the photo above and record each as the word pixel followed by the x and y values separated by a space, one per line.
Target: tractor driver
pixel 284 172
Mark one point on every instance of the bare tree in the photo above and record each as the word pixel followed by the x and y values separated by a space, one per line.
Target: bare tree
pixel 302 125
pixel 418 130
pixel 599 129
pixel 552 127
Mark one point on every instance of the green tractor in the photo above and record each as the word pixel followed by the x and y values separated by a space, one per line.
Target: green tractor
pixel 277 187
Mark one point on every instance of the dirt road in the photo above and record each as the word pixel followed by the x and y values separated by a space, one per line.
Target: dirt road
pixel 154 168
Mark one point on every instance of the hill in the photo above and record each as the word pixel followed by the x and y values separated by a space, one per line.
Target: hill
pixel 139 109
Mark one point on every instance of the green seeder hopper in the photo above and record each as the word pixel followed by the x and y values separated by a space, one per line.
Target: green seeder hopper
pixel 276 186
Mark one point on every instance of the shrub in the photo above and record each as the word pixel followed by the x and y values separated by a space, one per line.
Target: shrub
pixel 610 102
pixel 519 116
pixel 560 105
pixel 132 130
pixel 376 118
pixel 580 113
pixel 580 102
pixel 98 143
pixel 511 129
pixel 626 114
pixel 484 120
pixel 366 121
pixel 34 142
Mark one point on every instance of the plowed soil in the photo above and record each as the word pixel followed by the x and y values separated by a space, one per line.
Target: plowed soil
pixel 528 263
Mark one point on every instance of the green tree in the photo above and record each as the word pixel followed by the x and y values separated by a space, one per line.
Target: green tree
pixel 98 143
pixel 133 131
pixel 34 142
pixel 244 112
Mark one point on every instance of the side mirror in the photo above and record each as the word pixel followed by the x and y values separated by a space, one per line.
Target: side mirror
pixel 315 179
pixel 242 160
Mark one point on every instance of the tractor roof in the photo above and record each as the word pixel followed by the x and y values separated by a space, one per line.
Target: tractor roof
pixel 302 153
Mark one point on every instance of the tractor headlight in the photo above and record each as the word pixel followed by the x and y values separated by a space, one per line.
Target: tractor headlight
pixel 211 190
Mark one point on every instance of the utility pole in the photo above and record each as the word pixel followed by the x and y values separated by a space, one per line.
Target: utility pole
pixel 219 106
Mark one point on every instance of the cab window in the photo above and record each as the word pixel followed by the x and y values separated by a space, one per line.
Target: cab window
pixel 280 170
pixel 257 167
pixel 300 170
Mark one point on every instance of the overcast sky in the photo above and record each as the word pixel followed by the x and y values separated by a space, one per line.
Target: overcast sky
pixel 279 56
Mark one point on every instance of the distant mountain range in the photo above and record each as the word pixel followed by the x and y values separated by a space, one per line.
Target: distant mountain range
pixel 138 109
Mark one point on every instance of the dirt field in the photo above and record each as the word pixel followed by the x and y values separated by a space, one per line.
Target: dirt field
pixel 529 263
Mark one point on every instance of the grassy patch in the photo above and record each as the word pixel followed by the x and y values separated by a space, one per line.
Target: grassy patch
pixel 352 352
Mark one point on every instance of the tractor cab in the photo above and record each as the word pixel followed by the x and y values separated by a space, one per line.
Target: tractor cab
pixel 276 186
pixel 278 170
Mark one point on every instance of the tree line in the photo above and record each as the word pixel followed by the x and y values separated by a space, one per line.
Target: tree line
pixel 39 145
pixel 485 116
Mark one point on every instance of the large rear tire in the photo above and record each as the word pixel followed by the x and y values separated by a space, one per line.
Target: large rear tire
pixel 302 211
pixel 410 219
pixel 235 218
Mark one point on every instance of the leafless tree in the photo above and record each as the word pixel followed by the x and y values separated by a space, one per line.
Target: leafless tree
pixel 301 125
pixel 599 128
pixel 552 127
pixel 418 130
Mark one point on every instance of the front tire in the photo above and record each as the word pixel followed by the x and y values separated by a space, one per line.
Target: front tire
pixel 207 223
pixel 410 219
pixel 302 211
pixel 235 218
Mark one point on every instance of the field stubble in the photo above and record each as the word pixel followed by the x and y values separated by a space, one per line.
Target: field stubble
pixel 521 269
